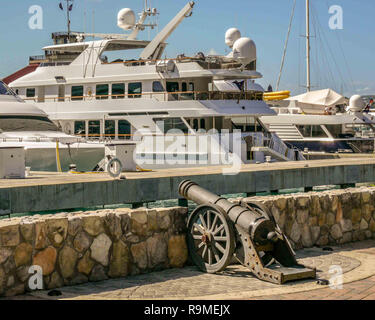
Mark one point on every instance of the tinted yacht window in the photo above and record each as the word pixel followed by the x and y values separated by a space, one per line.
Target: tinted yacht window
pixel 166 124
pixel 4 90
pixel 26 123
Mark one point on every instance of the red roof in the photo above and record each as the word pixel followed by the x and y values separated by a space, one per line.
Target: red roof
pixel 20 73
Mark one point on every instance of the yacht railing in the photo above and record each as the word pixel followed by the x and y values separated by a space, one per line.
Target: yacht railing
pixel 39 139
pixel 163 96
pixel 205 62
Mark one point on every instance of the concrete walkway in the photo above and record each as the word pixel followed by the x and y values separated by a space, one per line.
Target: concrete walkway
pixel 357 261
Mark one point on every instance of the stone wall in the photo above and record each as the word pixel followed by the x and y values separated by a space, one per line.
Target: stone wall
pixel 324 218
pixel 90 246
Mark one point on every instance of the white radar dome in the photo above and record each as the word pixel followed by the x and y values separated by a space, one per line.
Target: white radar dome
pixel 231 36
pixel 244 50
pixel 356 103
pixel 126 19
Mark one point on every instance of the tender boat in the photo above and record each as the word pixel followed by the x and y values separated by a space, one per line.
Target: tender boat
pixel 47 148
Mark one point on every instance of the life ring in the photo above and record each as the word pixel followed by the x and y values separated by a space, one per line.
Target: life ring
pixel 111 168
pixel 67 128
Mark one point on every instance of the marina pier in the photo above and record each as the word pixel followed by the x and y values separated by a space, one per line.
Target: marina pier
pixel 62 191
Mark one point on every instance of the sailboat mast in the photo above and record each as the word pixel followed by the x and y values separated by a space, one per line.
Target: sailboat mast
pixel 308 75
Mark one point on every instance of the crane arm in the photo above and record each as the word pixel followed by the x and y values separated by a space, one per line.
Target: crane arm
pixel 163 35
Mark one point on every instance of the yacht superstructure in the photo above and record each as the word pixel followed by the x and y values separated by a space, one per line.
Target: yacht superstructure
pixel 183 98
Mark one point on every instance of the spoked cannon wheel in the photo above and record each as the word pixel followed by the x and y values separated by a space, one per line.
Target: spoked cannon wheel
pixel 210 238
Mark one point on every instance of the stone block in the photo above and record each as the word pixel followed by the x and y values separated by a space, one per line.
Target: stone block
pixel 81 242
pixel 302 216
pixel 85 264
pixel 113 225
pixel 22 254
pixel 98 273
pixel 67 261
pixel 40 241
pixel 346 225
pixel 356 215
pixel 336 232
pixel 139 222
pixel 303 201
pixel 164 218
pixel 100 249
pixel 119 264
pixel 157 249
pixel 372 225
pixel 27 229
pixel 307 241
pixel 363 225
pixel 177 251
pixel 74 225
pixel 55 281
pixel 5 253
pixel 46 259
pixel 57 230
pixel 330 219
pixel 9 233
pixel 295 233
pixel 139 254
pixel 93 224
pixel 315 233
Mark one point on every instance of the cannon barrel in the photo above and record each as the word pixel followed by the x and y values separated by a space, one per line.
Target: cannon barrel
pixel 258 226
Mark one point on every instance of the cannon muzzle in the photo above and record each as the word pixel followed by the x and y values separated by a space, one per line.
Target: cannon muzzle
pixel 259 226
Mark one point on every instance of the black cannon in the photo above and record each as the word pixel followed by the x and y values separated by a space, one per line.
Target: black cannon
pixel 219 230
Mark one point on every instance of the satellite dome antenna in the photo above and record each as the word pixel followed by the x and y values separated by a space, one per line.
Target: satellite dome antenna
pixel 126 19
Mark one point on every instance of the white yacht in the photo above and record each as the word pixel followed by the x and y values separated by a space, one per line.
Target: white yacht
pixel 323 121
pixel 46 147
pixel 149 97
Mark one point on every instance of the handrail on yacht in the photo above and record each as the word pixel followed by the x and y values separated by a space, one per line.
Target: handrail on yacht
pixel 35 139
pixel 150 60
pixel 167 96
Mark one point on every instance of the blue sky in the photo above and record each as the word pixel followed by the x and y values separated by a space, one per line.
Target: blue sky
pixel 341 59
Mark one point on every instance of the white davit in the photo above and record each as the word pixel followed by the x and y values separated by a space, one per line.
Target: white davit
pixel 126 19
pixel 231 36
pixel 244 50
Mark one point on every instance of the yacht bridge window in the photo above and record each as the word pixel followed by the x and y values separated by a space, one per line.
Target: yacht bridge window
pixel 30 92
pixel 118 91
pixel 94 128
pixel 247 124
pixel 135 90
pixel 80 128
pixel 335 130
pixel 312 131
pixel 77 93
pixel 110 129
pixel 124 130
pixel 102 91
pixel 166 124
pixel 26 123
pixel 157 86
pixel 5 90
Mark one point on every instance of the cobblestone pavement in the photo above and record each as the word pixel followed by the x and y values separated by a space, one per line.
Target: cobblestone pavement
pixel 356 260
pixel 359 290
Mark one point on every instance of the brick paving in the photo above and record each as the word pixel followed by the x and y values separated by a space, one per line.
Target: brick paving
pixel 358 290
pixel 357 261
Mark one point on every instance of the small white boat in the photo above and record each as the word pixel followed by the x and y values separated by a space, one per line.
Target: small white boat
pixel 47 148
